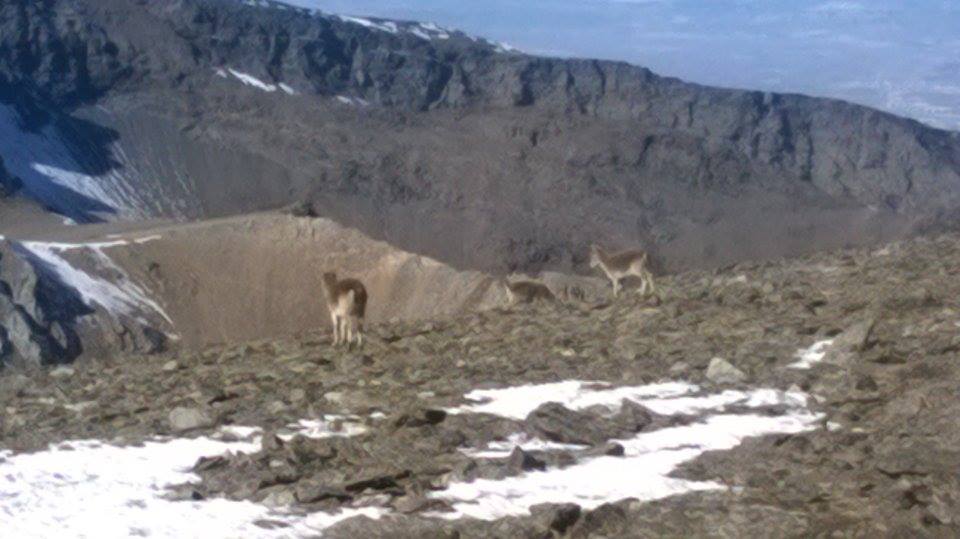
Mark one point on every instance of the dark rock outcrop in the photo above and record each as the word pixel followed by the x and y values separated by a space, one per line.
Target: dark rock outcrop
pixel 44 321
pixel 9 184
pixel 30 332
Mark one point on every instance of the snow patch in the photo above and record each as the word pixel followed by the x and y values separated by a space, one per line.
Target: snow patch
pixel 808 357
pixel 353 101
pixel 523 441
pixel 518 402
pixel 92 489
pixel 52 175
pixel 649 458
pixel 329 426
pixel 287 89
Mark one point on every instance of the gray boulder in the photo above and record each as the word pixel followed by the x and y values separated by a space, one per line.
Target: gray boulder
pixel 721 371
pixel 187 419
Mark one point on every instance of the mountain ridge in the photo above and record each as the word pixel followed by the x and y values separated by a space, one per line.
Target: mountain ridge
pixel 441 144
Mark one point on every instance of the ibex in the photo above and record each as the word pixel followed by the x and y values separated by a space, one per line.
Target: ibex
pixel 619 265
pixel 526 292
pixel 347 301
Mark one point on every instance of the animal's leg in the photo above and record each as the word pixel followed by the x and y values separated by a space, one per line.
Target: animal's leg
pixel 351 329
pixel 359 324
pixel 616 287
pixel 336 329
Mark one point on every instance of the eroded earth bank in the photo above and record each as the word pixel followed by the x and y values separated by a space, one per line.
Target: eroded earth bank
pixel 807 397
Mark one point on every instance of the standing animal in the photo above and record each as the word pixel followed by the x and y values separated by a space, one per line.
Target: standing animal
pixel 347 301
pixel 526 292
pixel 619 265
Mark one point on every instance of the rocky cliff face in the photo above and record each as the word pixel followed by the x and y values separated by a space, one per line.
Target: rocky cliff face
pixel 45 320
pixel 459 148
pixel 33 329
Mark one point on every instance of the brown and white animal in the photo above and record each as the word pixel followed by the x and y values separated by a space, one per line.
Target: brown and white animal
pixel 347 301
pixel 526 292
pixel 623 264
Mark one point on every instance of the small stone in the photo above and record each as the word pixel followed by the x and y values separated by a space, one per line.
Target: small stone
pixel 170 366
pixel 298 395
pixel 521 461
pixel 721 371
pixel 62 372
pixel 187 419
pixel 80 407
pixel 282 498
pixel 679 368
pixel 276 407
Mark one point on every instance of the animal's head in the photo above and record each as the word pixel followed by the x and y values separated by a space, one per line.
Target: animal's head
pixel 329 278
pixel 594 256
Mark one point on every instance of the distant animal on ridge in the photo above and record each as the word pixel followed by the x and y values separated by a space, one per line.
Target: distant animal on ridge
pixel 347 301
pixel 526 292
pixel 617 266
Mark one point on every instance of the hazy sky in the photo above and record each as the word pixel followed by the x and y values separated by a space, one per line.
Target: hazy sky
pixel 902 56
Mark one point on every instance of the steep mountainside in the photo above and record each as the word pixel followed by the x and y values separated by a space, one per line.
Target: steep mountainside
pixel 439 142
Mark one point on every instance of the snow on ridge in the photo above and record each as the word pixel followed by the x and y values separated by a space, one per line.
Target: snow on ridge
pixel 435 31
pixel 250 80
pixel 643 472
pixel 120 296
pixel 384 26
pixel 66 490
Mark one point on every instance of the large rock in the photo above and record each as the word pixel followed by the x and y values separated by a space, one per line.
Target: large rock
pixel 720 371
pixel 553 421
pixel 187 419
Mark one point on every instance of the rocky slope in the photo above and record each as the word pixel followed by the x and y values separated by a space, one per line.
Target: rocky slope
pixel 878 331
pixel 444 144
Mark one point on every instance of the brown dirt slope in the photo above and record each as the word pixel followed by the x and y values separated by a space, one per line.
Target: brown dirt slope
pixel 258 276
